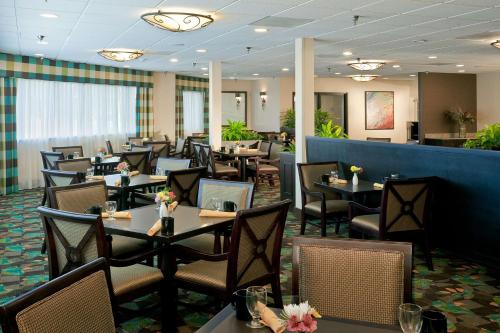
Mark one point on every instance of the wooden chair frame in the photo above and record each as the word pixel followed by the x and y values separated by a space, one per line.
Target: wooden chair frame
pixel 47 164
pixel 76 148
pixel 135 166
pixel 184 196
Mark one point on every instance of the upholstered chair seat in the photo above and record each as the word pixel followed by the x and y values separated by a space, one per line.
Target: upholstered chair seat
pixel 263 167
pixel 222 169
pixel 202 243
pixel 122 246
pixel 366 222
pixel 202 272
pixel 332 206
pixel 130 278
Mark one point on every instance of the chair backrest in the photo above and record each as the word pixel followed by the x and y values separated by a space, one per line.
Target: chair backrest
pixel 256 244
pixel 254 145
pixel 135 141
pixel 77 198
pixel 405 205
pixel 185 184
pixel 137 160
pixel 158 149
pixel 68 150
pixel 265 147
pixel 139 148
pixel 109 147
pixel 199 160
pixel 274 152
pixel 206 157
pixel 79 301
pixel 166 137
pixel 49 159
pixel 179 147
pixel 378 139
pixel 172 164
pixel 73 239
pixel 78 165
pixel 353 279
pixel 240 193
pixel 311 172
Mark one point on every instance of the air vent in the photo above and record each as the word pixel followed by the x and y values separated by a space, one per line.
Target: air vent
pixel 280 22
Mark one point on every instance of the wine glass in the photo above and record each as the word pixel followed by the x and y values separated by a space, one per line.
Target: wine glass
pixel 159 171
pixel 90 172
pixel 110 207
pixel 255 295
pixel 410 318
pixel 76 155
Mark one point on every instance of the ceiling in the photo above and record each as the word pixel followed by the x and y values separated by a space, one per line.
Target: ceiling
pixel 399 32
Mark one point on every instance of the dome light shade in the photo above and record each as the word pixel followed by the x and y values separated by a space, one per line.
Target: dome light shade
pixel 364 78
pixel 120 55
pixel 177 21
pixel 496 44
pixel 368 65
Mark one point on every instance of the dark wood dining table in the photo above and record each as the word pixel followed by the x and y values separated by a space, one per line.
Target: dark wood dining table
pixel 243 156
pixel 106 166
pixel 137 182
pixel 356 193
pixel 226 322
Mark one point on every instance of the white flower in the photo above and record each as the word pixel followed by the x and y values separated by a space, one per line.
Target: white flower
pixel 298 311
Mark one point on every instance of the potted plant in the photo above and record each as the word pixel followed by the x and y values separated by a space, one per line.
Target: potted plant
pixel 329 130
pixel 487 138
pixel 238 131
pixel 461 118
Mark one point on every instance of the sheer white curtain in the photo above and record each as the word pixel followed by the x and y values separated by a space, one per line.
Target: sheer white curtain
pixel 193 106
pixel 50 113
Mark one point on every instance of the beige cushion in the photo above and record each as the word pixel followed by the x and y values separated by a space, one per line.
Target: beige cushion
pixel 84 306
pixel 264 167
pixel 225 169
pixel 203 243
pixel 129 278
pixel 207 273
pixel 332 206
pixel 367 222
pixel 122 245
pixel 236 194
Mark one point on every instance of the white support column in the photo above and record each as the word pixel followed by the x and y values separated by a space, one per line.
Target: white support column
pixel 304 102
pixel 215 104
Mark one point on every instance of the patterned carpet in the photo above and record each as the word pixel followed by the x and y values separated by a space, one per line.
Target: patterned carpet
pixel 464 290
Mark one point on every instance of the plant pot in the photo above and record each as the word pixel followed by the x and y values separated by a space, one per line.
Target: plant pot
pixel 462 130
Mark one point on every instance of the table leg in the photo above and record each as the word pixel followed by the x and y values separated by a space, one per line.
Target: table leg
pixel 243 167
pixel 169 267
pixel 123 199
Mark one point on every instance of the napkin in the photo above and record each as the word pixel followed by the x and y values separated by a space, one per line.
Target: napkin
pixel 108 156
pixel 270 319
pixel 133 173
pixel 378 185
pixel 156 177
pixel 155 228
pixel 94 177
pixel 216 213
pixel 118 215
pixel 253 150
pixel 118 182
pixel 341 181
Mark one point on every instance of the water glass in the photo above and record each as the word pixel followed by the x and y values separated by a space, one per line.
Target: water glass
pixel 76 154
pixel 410 318
pixel 255 295
pixel 159 171
pixel 334 175
pixel 90 172
pixel 110 208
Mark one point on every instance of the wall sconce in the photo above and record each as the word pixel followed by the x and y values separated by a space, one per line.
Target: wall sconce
pixel 263 99
pixel 238 100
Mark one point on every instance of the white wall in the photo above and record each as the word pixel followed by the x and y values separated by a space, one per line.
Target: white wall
pixel 241 85
pixel 266 119
pixel 488 99
pixel 164 103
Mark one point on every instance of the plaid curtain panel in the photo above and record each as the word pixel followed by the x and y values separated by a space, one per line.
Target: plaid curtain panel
pixel 144 112
pixel 8 152
pixel 189 83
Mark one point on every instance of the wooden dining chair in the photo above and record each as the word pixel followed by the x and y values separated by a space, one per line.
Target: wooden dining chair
pixel 204 156
pixel 68 150
pixel 79 301
pixel 49 159
pixel 137 160
pixel 75 239
pixel 159 149
pixel 266 167
pixel 185 184
pixel 172 164
pixel 134 140
pixel 317 203
pixel 353 279
pixel 78 198
pixel 77 164
pixel 179 151
pixel 253 257
pixel 404 214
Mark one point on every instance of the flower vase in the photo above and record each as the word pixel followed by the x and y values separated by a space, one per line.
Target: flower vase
pixel 462 130
pixel 355 180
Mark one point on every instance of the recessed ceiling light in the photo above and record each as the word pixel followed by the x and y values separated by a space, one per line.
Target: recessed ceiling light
pixel 204 68
pixel 201 50
pixel 396 66
pixel 260 30
pixel 461 71
pixel 174 60
pixel 284 69
pixel 41 55
pixel 206 74
pixel 460 65
pixel 255 74
pixel 385 78
pixel 49 15
pixel 126 66
pixel 338 73
pixel 347 53
pixel 432 57
pixel 413 75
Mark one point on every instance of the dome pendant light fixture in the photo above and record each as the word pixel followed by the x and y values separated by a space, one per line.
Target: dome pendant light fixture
pixel 368 65
pixel 363 77
pixel 177 21
pixel 120 55
pixel 496 44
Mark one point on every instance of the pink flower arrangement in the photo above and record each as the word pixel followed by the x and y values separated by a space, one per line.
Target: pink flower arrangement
pixel 122 167
pixel 165 196
pixel 300 318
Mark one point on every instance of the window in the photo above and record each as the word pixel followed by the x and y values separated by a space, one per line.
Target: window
pixel 50 113
pixel 193 107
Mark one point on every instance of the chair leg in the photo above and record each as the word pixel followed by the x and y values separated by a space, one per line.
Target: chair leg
pixel 44 246
pixel 44 199
pixel 323 225
pixel 164 311
pixel 427 251
pixel 276 287
pixel 302 222
pixel 337 228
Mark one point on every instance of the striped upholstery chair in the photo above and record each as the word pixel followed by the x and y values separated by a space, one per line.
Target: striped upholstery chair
pixel 353 279
pixel 78 165
pixel 49 159
pixel 78 198
pixel 68 150
pixel 79 302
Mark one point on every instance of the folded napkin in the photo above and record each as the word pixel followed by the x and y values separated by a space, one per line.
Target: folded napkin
pixel 270 319
pixel 341 181
pixel 133 173
pixel 253 150
pixel 155 228
pixel 118 215
pixel 157 177
pixel 94 177
pixel 378 185
pixel 108 156
pixel 118 182
pixel 216 213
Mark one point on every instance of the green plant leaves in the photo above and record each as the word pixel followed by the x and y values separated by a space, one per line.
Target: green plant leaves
pixel 329 130
pixel 487 138
pixel 237 131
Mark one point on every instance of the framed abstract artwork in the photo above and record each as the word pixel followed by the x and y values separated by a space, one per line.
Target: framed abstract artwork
pixel 379 110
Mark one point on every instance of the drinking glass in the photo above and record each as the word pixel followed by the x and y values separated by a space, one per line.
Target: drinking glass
pixel 90 172
pixel 159 171
pixel 110 208
pixel 410 318
pixel 76 154
pixel 334 175
pixel 255 295
pixel 215 203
